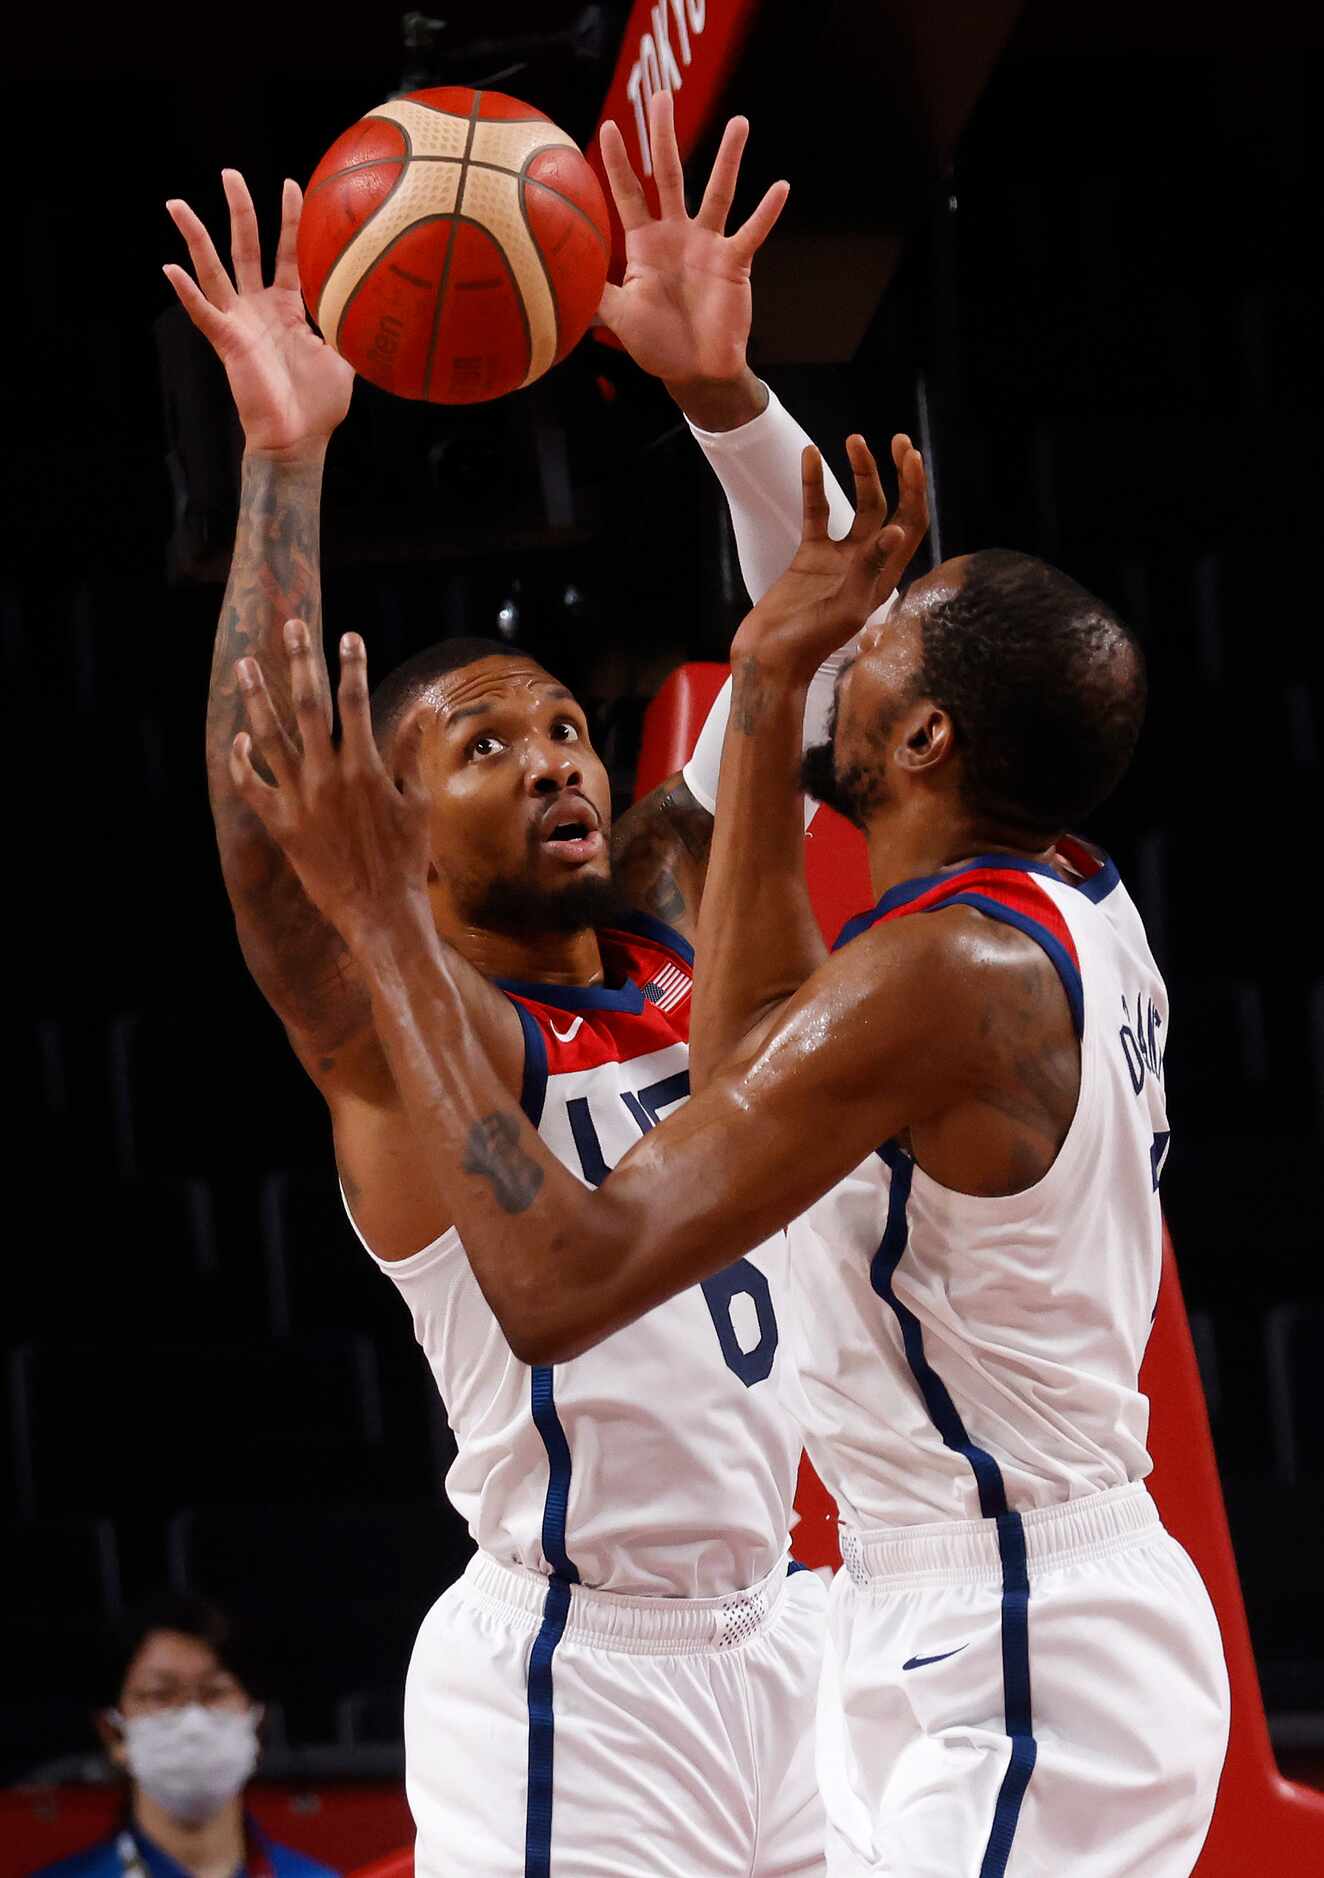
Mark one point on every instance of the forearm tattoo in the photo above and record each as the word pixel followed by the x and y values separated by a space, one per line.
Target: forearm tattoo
pixel 747 697
pixel 275 575
pixel 659 843
pixel 298 959
pixel 494 1151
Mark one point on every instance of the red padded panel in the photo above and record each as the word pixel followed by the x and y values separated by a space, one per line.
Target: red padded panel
pixel 673 721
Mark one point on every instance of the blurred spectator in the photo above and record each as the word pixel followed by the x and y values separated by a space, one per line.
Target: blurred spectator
pixel 182 1726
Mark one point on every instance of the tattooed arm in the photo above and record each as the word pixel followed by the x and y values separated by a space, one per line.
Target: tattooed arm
pixel 299 961
pixel 660 854
pixel 291 391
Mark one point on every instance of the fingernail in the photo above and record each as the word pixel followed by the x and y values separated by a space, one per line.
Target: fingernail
pixel 295 635
pixel 244 670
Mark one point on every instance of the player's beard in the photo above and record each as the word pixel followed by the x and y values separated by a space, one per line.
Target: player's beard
pixel 851 790
pixel 521 907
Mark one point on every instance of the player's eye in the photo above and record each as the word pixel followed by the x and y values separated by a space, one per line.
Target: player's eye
pixel 564 731
pixel 483 746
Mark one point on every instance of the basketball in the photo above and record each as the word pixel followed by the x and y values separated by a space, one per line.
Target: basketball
pixel 454 245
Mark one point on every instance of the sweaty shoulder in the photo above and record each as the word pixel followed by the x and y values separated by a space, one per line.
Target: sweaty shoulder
pixel 994 1019
pixel 939 977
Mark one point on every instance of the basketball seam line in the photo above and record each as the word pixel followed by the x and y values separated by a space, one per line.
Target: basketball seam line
pixel 439 110
pixel 368 163
pixel 476 163
pixel 546 272
pixel 429 362
pixel 353 237
pixel 554 191
pixel 517 296
pixel 368 273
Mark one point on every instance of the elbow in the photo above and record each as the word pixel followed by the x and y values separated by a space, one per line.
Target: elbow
pixel 544 1324
pixel 541 1344
pixel 579 1295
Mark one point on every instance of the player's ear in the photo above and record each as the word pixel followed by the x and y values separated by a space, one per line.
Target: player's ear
pixel 928 738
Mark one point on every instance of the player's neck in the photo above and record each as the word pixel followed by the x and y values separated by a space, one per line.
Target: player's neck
pixel 212 1849
pixel 910 846
pixel 532 958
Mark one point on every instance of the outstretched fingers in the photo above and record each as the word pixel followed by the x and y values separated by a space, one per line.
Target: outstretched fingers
pixel 287 248
pixel 900 540
pixel 357 742
pixel 268 734
pixel 667 171
pixel 815 510
pixel 720 193
pixel 870 501
pixel 751 234
pixel 262 797
pixel 913 503
pixel 195 303
pixel 245 243
pixel 626 190
pixel 211 275
pixel 311 697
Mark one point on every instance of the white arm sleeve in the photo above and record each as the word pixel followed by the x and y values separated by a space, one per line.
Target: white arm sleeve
pixel 758 466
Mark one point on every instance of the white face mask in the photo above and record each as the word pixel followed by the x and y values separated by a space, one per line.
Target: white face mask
pixel 192 1760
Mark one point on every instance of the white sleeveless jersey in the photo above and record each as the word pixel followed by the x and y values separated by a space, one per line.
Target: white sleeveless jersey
pixel 963 1357
pixel 661 1463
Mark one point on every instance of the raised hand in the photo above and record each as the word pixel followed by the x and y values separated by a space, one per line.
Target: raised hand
pixel 356 836
pixel 291 388
pixel 831 587
pixel 683 310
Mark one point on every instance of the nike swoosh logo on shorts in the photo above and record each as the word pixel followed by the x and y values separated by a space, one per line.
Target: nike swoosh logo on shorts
pixel 566 1036
pixel 919 1662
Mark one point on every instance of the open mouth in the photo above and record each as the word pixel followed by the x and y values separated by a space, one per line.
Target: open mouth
pixel 572 834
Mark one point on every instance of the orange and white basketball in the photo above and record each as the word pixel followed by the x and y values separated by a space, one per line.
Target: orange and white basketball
pixel 453 245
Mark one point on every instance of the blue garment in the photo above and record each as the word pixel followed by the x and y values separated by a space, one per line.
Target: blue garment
pixel 103 1860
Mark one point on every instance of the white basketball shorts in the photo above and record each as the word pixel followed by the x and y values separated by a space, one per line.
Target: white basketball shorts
pixel 1041 1695
pixel 558 1732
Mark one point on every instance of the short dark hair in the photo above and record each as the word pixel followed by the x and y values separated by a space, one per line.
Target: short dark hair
pixel 394 696
pixel 191 1616
pixel 1045 687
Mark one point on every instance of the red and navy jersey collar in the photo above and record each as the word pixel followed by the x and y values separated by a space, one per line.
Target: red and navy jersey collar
pixel 626 996
pixel 1098 877
pixel 1002 887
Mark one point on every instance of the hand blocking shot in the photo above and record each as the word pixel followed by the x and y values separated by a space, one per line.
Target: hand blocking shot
pixel 941 1113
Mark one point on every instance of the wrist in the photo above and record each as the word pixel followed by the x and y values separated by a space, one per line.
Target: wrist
pixel 387 934
pixel 308 453
pixel 720 403
pixel 776 669
pixel 780 664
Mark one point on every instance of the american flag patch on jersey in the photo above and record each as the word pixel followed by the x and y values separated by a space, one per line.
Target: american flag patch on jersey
pixel 668 987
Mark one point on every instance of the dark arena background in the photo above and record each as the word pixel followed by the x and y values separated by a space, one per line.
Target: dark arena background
pixel 1073 251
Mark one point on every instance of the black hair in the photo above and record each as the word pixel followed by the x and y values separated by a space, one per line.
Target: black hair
pixel 1045 687
pixel 401 688
pixel 191 1616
